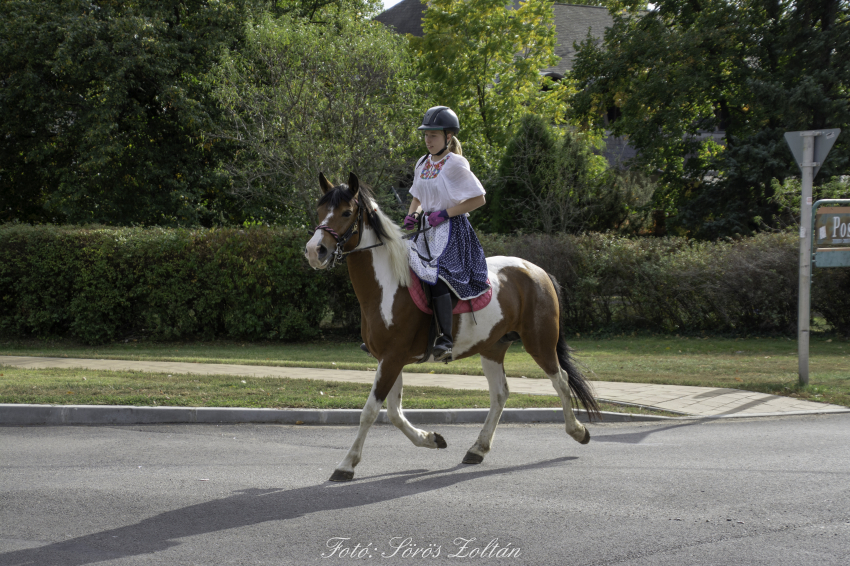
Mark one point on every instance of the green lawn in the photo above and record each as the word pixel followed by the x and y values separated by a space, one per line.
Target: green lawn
pixel 756 364
pixel 87 387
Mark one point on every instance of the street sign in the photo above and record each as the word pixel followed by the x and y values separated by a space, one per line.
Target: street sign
pixel 832 257
pixel 832 228
pixel 824 140
pixel 810 148
pixel 832 225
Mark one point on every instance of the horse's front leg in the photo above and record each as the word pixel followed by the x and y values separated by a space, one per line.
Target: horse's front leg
pixel 385 377
pixel 417 436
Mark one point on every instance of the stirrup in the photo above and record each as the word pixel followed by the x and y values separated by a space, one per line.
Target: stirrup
pixel 366 349
pixel 443 352
pixel 445 356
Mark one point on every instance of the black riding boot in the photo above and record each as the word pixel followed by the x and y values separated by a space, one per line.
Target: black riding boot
pixel 443 309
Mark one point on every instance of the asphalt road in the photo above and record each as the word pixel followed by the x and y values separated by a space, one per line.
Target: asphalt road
pixel 760 491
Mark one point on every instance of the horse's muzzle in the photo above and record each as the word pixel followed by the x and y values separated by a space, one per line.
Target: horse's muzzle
pixel 324 253
pixel 318 255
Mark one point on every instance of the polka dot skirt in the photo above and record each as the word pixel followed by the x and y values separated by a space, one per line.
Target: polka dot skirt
pixel 452 252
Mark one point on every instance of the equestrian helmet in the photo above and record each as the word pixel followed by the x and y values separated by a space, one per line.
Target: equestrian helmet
pixel 440 118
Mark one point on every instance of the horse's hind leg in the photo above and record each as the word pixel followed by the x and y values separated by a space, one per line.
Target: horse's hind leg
pixel 547 358
pixel 494 370
pixel 417 436
pixel 574 428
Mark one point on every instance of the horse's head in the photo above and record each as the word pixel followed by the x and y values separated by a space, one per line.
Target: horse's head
pixel 340 221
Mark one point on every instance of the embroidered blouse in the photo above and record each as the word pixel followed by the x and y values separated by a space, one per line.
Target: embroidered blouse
pixel 446 183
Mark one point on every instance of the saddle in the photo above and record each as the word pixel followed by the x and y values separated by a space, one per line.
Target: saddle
pixel 420 292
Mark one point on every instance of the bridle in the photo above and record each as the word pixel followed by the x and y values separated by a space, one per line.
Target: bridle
pixel 339 254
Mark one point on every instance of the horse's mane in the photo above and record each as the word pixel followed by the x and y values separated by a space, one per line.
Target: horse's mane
pixel 386 229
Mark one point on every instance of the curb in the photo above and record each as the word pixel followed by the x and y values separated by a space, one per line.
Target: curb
pixel 12 414
pixel 29 415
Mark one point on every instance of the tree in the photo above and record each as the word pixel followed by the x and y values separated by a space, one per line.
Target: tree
pixel 483 59
pixel 321 11
pixel 101 114
pixel 751 69
pixel 302 99
pixel 550 180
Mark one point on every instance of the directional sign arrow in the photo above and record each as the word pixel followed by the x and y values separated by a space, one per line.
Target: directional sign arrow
pixel 824 140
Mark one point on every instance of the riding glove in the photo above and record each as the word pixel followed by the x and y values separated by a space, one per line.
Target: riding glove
pixel 409 222
pixel 437 217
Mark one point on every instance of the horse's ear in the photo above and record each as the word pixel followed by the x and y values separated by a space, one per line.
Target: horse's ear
pixel 354 185
pixel 324 183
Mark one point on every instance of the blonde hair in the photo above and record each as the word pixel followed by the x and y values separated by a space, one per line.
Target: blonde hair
pixel 454 145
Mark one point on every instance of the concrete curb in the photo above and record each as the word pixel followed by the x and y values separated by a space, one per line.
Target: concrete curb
pixel 28 415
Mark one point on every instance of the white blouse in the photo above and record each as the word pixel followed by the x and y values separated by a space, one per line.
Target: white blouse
pixel 446 183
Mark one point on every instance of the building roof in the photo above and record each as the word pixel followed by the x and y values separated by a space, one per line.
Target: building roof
pixel 405 17
pixel 572 24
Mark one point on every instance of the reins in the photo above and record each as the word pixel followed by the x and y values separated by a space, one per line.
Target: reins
pixel 339 254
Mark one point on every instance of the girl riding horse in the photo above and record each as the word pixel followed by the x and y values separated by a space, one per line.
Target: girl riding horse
pixel 448 257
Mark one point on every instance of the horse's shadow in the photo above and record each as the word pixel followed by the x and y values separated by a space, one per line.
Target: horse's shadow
pixel 639 436
pixel 249 507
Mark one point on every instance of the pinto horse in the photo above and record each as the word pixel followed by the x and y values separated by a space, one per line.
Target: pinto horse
pixel 525 305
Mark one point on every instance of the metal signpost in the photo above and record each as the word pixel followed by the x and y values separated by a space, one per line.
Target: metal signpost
pixel 810 149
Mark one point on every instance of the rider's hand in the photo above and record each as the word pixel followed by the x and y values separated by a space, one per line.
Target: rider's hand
pixel 409 222
pixel 437 217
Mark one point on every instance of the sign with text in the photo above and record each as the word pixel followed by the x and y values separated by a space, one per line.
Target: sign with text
pixel 832 225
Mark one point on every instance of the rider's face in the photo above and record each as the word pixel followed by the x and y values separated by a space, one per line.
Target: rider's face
pixel 436 140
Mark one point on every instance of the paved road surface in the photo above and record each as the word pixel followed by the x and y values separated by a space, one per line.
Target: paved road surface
pixel 741 491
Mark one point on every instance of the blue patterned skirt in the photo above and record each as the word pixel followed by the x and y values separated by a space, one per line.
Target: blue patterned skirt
pixel 452 252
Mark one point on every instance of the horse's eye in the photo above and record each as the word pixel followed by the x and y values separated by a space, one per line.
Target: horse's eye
pixel 346 214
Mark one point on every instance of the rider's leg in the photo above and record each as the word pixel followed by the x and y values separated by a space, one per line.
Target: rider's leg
pixel 441 301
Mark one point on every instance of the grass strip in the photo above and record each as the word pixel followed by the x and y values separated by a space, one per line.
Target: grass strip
pixel 767 365
pixel 87 387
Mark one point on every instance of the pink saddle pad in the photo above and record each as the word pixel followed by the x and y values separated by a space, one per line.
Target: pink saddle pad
pixel 472 305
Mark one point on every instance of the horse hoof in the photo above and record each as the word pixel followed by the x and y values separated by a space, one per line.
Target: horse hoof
pixel 440 441
pixel 586 438
pixel 472 458
pixel 340 475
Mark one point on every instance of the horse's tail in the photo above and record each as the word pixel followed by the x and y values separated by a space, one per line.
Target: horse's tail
pixel 579 386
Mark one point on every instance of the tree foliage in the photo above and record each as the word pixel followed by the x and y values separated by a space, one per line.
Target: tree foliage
pixel 321 11
pixel 749 70
pixel 550 180
pixel 302 99
pixel 483 59
pixel 101 112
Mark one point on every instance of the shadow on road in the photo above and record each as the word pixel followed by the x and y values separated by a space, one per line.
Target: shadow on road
pixel 641 435
pixel 250 507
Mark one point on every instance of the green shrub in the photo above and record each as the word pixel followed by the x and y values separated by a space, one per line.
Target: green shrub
pixel 614 283
pixel 100 284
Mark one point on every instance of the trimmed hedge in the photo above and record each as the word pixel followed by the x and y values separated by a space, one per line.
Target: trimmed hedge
pixel 103 284
pixel 613 283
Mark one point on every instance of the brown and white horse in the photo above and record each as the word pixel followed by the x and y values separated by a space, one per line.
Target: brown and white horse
pixel 525 305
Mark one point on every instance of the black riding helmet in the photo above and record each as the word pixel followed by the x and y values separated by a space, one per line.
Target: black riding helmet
pixel 441 118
